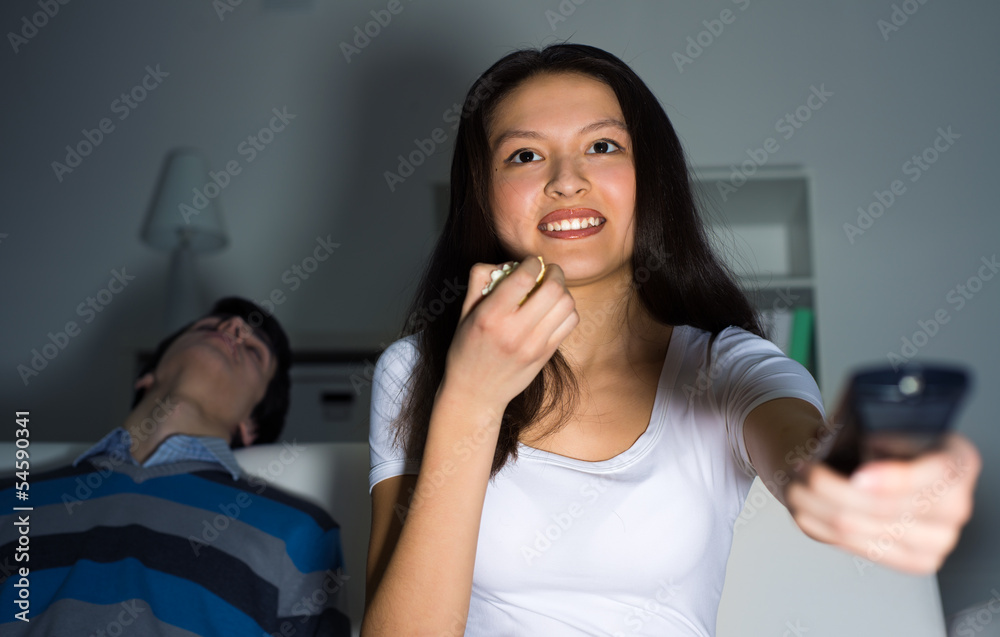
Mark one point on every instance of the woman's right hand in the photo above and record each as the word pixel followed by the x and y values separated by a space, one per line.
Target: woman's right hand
pixel 499 346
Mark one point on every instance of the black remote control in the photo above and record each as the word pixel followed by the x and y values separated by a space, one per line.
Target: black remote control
pixel 894 413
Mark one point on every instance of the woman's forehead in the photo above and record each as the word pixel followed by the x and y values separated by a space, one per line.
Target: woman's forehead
pixel 552 99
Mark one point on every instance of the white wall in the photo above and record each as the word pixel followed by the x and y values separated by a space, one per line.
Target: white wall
pixel 323 175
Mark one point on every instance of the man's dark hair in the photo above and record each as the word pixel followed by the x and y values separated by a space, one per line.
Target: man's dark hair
pixel 269 414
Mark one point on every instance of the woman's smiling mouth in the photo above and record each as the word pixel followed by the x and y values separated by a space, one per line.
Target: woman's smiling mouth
pixel 571 223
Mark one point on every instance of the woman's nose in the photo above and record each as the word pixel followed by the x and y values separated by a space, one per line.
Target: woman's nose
pixel 567 179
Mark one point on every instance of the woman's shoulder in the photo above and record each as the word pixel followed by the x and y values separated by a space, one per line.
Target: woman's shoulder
pixel 406 347
pixel 397 360
pixel 731 341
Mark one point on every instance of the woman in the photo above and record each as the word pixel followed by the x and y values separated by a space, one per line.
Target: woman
pixel 561 463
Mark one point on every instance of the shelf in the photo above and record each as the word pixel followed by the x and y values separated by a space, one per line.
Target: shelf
pixel 760 226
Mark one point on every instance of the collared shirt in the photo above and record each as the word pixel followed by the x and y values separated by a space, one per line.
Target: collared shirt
pixel 175 448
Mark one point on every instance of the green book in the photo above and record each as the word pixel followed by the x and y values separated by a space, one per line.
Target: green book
pixel 802 335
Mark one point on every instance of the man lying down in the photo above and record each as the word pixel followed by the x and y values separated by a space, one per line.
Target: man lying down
pixel 140 546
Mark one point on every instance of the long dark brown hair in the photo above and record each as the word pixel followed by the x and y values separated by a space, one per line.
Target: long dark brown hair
pixel 689 286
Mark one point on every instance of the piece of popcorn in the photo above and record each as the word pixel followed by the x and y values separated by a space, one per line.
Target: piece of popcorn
pixel 505 270
pixel 500 274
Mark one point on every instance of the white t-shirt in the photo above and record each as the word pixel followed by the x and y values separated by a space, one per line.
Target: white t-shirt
pixel 633 545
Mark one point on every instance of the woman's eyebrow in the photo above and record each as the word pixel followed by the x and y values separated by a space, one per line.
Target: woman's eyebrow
pixel 516 134
pixel 604 123
pixel 589 128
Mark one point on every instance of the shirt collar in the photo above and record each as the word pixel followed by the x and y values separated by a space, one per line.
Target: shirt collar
pixel 175 448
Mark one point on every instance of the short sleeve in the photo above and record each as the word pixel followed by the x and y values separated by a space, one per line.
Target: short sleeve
pixel 390 382
pixel 752 371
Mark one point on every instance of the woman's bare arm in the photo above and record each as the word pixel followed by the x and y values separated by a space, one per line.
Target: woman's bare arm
pixel 390 502
pixel 420 569
pixel 779 435
pixel 421 582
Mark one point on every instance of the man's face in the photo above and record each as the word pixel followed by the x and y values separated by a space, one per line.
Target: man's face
pixel 220 365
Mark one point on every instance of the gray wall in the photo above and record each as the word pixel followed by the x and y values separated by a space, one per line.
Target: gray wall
pixel 323 175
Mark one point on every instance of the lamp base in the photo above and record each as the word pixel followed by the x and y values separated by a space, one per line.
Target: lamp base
pixel 185 301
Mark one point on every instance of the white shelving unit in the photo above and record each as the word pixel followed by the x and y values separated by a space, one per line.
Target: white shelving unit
pixel 761 225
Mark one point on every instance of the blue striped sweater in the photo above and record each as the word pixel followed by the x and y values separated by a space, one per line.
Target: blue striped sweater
pixel 175 549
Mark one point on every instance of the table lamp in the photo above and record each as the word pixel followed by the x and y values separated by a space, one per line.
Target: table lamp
pixel 185 220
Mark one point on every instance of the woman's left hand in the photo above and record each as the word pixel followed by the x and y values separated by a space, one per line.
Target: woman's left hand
pixel 906 514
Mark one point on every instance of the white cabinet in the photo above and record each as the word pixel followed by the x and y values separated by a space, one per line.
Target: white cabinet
pixel 761 226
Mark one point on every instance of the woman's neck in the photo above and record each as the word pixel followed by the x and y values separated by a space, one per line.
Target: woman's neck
pixel 615 328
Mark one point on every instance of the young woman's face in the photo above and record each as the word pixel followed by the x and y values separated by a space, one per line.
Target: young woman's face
pixel 562 158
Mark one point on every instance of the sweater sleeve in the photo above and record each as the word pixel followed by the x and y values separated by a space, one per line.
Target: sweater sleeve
pixel 390 384
pixel 750 371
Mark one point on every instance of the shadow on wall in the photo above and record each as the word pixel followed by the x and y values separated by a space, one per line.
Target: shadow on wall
pixel 399 145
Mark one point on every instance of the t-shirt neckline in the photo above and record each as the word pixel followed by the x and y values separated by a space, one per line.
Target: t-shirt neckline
pixel 676 347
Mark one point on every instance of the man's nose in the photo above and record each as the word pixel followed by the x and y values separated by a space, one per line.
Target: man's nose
pixel 235 327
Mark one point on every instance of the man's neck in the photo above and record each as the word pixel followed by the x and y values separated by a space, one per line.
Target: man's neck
pixel 160 415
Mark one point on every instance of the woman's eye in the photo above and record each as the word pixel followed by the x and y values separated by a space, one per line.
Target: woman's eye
pixel 524 157
pixel 602 147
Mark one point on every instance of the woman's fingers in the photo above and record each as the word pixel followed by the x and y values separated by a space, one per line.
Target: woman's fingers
pixel 502 344
pixel 518 284
pixel 479 277
pixel 906 514
pixel 830 489
pixel 565 328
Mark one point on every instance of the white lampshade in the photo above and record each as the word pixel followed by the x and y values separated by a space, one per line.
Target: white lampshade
pixel 185 207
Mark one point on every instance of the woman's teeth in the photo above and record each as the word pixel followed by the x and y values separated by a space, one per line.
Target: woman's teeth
pixel 574 224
